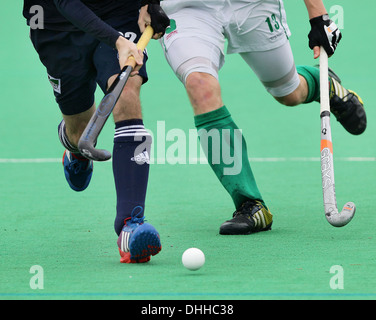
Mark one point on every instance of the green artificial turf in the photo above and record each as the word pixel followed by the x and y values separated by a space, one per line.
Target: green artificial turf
pixel 70 235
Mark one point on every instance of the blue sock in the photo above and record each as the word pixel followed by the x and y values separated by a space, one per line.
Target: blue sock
pixel 130 162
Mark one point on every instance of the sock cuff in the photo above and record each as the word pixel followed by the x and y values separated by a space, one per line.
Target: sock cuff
pixel 211 116
pixel 130 122
pixel 131 130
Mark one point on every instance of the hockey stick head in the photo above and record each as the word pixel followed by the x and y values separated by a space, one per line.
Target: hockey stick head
pixel 88 139
pixel 88 150
pixel 340 219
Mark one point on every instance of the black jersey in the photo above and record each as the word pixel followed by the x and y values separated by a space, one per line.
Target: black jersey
pixel 85 15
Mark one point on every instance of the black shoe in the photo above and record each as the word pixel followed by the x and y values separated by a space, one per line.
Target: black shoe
pixel 251 217
pixel 349 110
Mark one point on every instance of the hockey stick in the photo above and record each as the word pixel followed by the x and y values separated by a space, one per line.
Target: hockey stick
pixel 88 139
pixel 335 218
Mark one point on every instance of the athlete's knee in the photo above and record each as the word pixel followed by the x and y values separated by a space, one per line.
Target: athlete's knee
pixel 204 92
pixel 293 99
pixel 290 100
pixel 129 105
pixel 198 83
pixel 298 96
pixel 129 96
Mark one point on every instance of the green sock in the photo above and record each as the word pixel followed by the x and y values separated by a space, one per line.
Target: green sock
pixel 226 151
pixel 312 76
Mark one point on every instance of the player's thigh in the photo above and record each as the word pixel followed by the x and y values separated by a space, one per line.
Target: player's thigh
pixel 67 58
pixel 275 69
pixel 194 43
pixel 189 55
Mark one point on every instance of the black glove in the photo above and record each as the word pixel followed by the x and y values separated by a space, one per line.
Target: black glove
pixel 159 20
pixel 324 32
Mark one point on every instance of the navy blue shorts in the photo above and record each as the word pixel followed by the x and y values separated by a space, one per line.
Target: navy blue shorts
pixel 76 62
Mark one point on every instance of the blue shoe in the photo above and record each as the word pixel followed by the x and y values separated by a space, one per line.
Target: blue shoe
pixel 78 172
pixel 138 241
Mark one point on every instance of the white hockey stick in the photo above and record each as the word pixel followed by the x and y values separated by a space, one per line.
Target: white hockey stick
pixel 335 218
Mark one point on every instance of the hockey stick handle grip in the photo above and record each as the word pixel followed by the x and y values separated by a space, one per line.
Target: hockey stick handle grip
pixel 324 81
pixel 141 45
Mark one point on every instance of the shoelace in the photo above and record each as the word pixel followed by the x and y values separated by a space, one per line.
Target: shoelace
pixel 245 208
pixel 76 165
pixel 135 216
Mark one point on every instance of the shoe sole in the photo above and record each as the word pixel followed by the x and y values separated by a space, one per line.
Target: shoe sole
pixel 235 230
pixel 145 242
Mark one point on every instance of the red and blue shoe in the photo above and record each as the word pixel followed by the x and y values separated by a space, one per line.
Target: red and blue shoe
pixel 138 241
pixel 77 170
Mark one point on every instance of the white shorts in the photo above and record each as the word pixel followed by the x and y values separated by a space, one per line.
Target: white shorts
pixel 196 39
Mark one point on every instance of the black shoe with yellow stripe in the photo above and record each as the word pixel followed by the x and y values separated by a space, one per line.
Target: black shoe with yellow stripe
pixel 346 106
pixel 251 217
